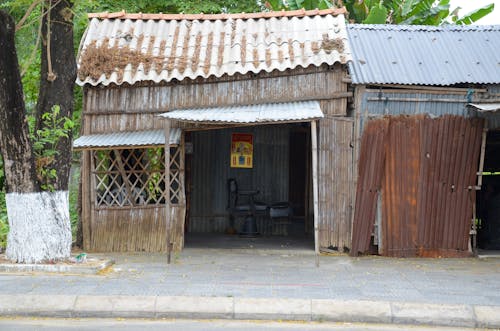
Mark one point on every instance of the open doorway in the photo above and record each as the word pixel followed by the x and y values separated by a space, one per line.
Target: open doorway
pixel 488 199
pixel 277 176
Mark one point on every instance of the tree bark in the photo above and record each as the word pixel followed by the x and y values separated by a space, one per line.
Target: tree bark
pixel 39 221
pixel 58 74
pixel 15 144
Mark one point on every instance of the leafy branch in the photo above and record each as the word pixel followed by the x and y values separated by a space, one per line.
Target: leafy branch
pixel 45 140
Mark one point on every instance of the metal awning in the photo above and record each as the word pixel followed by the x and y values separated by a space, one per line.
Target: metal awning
pixel 267 113
pixel 127 139
pixel 485 107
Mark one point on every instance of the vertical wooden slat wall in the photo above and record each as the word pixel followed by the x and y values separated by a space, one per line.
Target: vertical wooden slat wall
pixel 335 182
pixel 133 108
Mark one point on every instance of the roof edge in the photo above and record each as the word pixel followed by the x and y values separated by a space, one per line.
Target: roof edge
pixel 291 13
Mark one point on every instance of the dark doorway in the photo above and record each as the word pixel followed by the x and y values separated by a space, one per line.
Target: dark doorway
pixel 298 170
pixel 488 199
pixel 280 176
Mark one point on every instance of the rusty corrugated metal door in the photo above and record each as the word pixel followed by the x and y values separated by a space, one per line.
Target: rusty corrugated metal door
pixel 370 173
pixel 429 166
pixel 335 182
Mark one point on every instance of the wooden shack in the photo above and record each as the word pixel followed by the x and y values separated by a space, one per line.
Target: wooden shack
pixel 422 139
pixel 169 98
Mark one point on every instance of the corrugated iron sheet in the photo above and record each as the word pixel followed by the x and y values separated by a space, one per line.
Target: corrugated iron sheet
pixel 428 170
pixel 262 113
pixel 424 55
pixel 370 174
pixel 126 139
pixel 486 107
pixel 130 49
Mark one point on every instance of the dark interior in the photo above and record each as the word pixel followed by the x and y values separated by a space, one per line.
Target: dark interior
pixel 278 183
pixel 488 199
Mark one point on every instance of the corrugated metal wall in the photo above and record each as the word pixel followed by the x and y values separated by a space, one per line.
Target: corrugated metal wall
pixel 369 185
pixel 211 170
pixel 429 166
pixel 378 103
pixel 335 173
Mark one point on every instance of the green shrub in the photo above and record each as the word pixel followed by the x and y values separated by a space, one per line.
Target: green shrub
pixel 4 225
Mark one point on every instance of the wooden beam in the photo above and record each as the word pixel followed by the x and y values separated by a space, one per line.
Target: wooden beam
pixel 167 191
pixel 314 150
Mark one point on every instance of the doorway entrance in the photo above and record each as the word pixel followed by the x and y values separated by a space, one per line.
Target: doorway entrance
pixel 278 175
pixel 488 199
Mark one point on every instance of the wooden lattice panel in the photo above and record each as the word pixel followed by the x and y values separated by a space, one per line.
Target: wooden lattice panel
pixel 135 177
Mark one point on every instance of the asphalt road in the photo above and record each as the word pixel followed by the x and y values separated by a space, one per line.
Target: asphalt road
pixel 27 324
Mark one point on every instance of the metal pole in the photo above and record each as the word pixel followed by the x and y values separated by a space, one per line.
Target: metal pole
pixel 314 150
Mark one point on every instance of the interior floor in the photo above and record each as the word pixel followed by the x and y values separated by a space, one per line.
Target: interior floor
pixel 227 241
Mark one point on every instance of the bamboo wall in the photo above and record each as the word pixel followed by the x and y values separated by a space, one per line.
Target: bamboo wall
pixel 335 171
pixel 128 108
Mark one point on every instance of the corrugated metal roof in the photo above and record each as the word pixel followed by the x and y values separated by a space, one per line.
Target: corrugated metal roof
pixel 127 139
pixel 263 113
pixel 128 49
pixel 424 55
pixel 486 107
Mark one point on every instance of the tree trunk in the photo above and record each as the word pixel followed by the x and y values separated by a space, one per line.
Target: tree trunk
pixel 15 145
pixel 39 221
pixel 58 74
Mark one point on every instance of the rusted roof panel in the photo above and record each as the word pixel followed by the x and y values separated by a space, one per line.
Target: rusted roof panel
pixel 124 48
pixel 424 55
pixel 262 113
pixel 127 139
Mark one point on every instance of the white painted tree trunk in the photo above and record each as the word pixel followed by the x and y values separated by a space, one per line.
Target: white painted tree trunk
pixel 40 228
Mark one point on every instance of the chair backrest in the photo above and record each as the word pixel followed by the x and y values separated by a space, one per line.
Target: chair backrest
pixel 232 193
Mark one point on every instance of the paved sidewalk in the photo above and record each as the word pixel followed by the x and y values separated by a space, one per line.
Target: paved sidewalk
pixel 267 284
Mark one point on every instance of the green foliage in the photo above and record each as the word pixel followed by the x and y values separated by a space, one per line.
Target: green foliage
pixel 474 15
pixel 423 12
pixel 297 4
pixel 4 225
pixel 73 201
pixel 377 15
pixel 45 140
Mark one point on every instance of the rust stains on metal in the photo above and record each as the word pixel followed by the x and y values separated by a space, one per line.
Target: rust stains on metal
pixel 195 59
pixel 371 165
pixel 255 55
pixel 220 51
pixel 291 54
pixel 208 58
pixel 243 49
pixel 428 167
pixel 175 41
pixel 268 57
pixel 183 60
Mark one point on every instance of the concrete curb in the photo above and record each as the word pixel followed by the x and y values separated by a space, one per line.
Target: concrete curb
pixel 250 308
pixel 85 269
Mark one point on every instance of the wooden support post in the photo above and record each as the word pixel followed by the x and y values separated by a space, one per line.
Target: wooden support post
pixel 167 191
pixel 481 157
pixel 314 150
pixel 478 187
